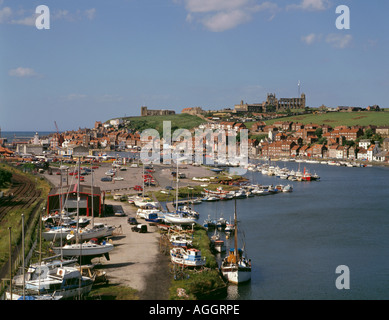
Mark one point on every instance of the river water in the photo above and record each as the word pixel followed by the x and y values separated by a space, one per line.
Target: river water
pixel 297 240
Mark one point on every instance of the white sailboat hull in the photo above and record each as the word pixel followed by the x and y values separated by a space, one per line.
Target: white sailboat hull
pixel 236 274
pixel 84 249
pixel 97 232
pixel 56 234
pixel 178 220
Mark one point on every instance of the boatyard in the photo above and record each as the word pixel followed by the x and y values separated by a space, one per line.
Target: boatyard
pixel 130 255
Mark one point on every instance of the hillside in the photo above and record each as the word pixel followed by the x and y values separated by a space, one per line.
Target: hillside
pixel 333 119
pixel 178 121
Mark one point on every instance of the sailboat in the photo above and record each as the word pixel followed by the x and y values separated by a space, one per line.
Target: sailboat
pixel 88 249
pixel 179 217
pixel 236 268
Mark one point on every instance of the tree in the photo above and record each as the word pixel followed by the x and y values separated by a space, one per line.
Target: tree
pixel 5 176
pixel 319 132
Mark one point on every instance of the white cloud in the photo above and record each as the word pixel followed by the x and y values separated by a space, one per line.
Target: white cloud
pixel 75 96
pixel 5 14
pixel 221 15
pixel 311 5
pixel 225 20
pixel 339 41
pixel 27 21
pixel 23 72
pixel 214 5
pixel 90 13
pixel 311 38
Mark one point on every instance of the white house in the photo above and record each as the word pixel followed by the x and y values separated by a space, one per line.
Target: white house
pixel 364 143
pixel 380 156
pixel 372 151
pixel 116 122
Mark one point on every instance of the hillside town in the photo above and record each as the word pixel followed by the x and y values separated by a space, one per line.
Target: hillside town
pixel 281 139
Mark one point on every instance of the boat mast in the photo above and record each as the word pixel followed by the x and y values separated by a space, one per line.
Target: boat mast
pixel 236 234
pixel 60 212
pixel 77 237
pixel 177 186
pixel 78 199
pixel 143 179
pixel 24 267
pixel 92 195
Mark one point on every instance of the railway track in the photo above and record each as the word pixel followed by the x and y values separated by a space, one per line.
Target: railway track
pixel 21 195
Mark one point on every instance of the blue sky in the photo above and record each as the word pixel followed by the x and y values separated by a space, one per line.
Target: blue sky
pixel 105 59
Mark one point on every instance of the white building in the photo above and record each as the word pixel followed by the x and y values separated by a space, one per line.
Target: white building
pixel 372 152
pixel 364 143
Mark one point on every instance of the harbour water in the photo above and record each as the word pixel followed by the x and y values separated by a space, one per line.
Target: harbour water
pixel 297 240
pixel 22 135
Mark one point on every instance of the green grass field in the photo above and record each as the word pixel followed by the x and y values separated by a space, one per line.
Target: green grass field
pixel 178 121
pixel 333 119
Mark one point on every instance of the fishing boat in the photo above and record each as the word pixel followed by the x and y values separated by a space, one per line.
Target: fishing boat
pixel 229 229
pixel 217 243
pixel 226 196
pixel 63 282
pixel 188 211
pixel 209 223
pixel 262 190
pixel 144 213
pixel 236 268
pixel 221 223
pixel 187 257
pixel 240 194
pixel 152 217
pixel 40 270
pixel 180 240
pixel 210 198
pixel 306 176
pixel 287 188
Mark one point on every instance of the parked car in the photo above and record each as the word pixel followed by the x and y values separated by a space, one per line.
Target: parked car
pixel 119 212
pixel 141 228
pixel 132 221
pixel 169 188
pixel 138 188
pixel 106 179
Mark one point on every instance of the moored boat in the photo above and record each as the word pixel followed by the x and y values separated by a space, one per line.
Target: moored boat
pixel 236 268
